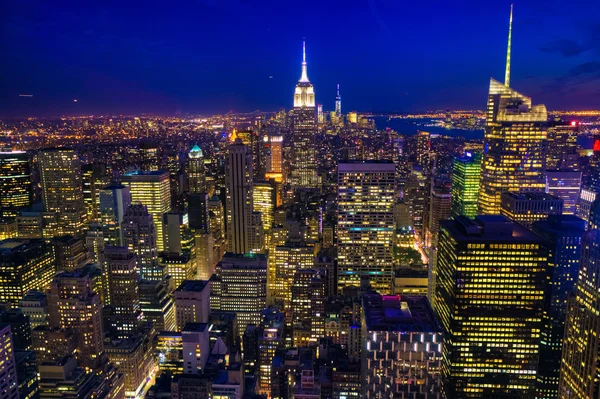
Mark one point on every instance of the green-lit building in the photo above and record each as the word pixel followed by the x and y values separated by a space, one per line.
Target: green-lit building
pixel 465 184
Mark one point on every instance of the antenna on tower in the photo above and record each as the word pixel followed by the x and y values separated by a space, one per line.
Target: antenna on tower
pixel 507 73
pixel 304 51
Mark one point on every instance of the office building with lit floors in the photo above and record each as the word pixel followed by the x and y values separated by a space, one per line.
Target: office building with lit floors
pixel 515 138
pixel 491 277
pixel 121 291
pixel 403 353
pixel 74 303
pixel 304 130
pixel 24 265
pixel 9 386
pixel 529 207
pixel 581 345
pixel 139 236
pixel 563 234
pixel 62 192
pixel 239 201
pixel 366 198
pixel 153 190
pixel 240 286
pixel 466 174
pixel 15 183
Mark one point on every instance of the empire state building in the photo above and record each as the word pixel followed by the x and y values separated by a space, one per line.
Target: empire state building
pixel 304 129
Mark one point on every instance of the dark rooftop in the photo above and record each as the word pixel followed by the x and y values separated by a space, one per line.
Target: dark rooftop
pixel 411 313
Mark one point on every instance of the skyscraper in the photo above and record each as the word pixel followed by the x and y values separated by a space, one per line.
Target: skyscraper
pixel 288 259
pixel 275 160
pixel 563 234
pixel 304 129
pixel 366 197
pixel 400 327
pixel 9 387
pixel 73 303
pixel 565 185
pixel 515 139
pixel 308 307
pixel 139 235
pixel 24 265
pixel 62 192
pixel 153 190
pixel 240 286
pixel 581 344
pixel 338 104
pixel 529 207
pixel 196 173
pixel 238 178
pixel 15 183
pixel 489 298
pixel 465 184
pixel 122 292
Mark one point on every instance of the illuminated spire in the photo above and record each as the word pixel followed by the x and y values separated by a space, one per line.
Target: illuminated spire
pixel 304 77
pixel 507 73
pixel 338 103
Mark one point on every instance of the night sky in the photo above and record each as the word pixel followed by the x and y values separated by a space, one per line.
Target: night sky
pixel 211 56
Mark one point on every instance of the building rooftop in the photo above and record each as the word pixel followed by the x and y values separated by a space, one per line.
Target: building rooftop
pixel 194 327
pixel 399 313
pixel 530 196
pixel 192 285
pixel 489 228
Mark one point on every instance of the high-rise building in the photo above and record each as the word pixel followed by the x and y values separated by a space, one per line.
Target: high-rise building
pixel 563 234
pixel 423 150
pixel 24 265
pixel 122 291
pixel 366 198
pixel 240 286
pixel 308 307
pixel 561 152
pixel 153 190
pixel 338 103
pixel 287 259
pixel 114 201
pixel 62 193
pixel 565 185
pixel 403 352
pixel 514 157
pixel 15 183
pixel 35 305
pixel 270 338
pixel 275 159
pixel 238 177
pixel 264 202
pixel 304 129
pixel 584 205
pixel 157 305
pixel 529 207
pixel 73 303
pixel 489 297
pixel 9 387
pixel 94 177
pixel 465 184
pixel 581 344
pixel 139 235
pixel 192 302
pixel 196 173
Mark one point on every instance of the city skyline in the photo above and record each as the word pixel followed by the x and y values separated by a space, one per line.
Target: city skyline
pixel 157 66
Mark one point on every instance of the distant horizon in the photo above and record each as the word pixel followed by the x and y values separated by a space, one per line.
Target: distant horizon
pixel 210 56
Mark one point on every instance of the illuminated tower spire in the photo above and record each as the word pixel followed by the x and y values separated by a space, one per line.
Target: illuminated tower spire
pixel 304 77
pixel 338 103
pixel 507 73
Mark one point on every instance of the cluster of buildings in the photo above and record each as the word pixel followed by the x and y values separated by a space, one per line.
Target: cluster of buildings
pixel 309 256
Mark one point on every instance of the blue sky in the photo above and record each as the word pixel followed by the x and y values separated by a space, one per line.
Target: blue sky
pixel 212 56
